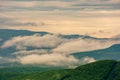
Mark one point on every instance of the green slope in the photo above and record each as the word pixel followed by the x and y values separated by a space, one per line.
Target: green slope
pixel 115 74
pixel 100 70
pixel 12 72
pixel 95 71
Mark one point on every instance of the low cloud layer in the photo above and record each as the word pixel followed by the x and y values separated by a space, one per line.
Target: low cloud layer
pixel 37 41
pixel 55 60
pixel 54 50
pixel 58 44
pixel 7 60
pixel 98 18
pixel 81 45
pixel 49 60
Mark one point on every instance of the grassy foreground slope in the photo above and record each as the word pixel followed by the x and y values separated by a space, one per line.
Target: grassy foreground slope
pixel 100 70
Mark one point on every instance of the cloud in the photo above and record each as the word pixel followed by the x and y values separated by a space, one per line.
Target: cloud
pixel 48 5
pixel 116 36
pixel 56 60
pixel 37 41
pixel 82 45
pixel 7 60
pixel 49 60
pixel 11 21
pixel 65 22
pixel 30 52
pixel 59 16
pixel 1 39
pixel 87 60
pixel 55 50
pixel 79 15
pixel 28 24
pixel 57 44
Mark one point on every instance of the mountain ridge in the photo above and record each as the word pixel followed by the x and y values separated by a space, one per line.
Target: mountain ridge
pixel 7 54
pixel 102 53
pixel 27 32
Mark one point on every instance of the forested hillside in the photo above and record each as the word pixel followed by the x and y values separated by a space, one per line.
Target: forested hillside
pixel 100 70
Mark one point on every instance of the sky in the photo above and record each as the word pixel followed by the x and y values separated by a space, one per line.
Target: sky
pixel 98 18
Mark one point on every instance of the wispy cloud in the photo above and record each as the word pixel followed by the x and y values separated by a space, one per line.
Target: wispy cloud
pixel 73 16
pixel 7 60
pixel 47 41
pixel 50 60
pixel 57 43
pixel 54 50
pixel 59 16
pixel 56 60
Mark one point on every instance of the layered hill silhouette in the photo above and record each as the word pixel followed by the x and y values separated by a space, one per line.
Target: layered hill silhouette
pixel 8 33
pixel 112 52
pixel 99 70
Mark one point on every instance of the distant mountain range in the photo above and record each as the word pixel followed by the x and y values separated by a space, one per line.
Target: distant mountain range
pixel 9 33
pixel 100 70
pixel 6 34
pixel 112 52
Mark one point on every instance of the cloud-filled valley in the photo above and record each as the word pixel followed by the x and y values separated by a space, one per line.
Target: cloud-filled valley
pixel 59 35
pixel 59 39
pixel 54 49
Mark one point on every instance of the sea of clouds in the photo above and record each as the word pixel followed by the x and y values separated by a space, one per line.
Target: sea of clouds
pixel 54 50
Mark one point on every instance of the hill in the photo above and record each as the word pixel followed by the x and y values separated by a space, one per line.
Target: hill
pixel 23 43
pixel 8 33
pixel 100 70
pixel 108 53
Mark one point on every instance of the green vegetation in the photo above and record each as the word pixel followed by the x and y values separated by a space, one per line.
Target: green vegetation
pixel 8 73
pixel 100 70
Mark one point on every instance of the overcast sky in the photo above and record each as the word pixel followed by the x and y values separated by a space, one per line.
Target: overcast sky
pixel 99 18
